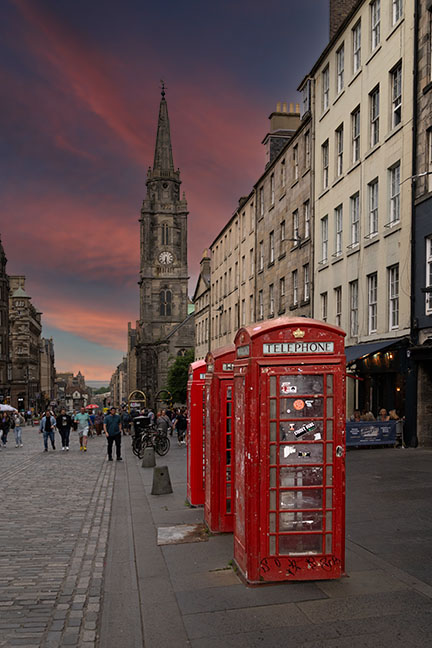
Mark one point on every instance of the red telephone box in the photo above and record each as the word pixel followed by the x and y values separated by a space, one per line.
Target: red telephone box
pixel 196 424
pixel 218 507
pixel 289 450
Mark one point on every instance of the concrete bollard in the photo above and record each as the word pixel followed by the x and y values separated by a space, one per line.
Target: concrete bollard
pixel 161 481
pixel 149 460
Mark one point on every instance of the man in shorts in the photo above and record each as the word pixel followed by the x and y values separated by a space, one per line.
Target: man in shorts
pixel 82 419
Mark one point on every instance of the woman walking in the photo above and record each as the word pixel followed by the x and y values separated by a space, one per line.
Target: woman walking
pixel 64 424
pixel 19 422
pixel 5 427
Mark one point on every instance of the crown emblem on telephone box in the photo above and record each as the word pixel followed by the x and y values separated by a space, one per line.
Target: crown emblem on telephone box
pixel 298 333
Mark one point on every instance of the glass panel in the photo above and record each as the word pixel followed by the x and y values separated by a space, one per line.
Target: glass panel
pixel 272 408
pixel 272 454
pixel 228 506
pixel 228 457
pixel 292 477
pixel 330 406
pixel 228 474
pixel 329 453
pixel 228 490
pixel 304 430
pixel 228 409
pixel 273 477
pixel 228 441
pixel 301 384
pixel 273 431
pixel 329 544
pixel 301 453
pixel 272 546
pixel 329 521
pixel 272 385
pixel 272 522
pixel 329 383
pixel 329 430
pixel 292 408
pixel 228 425
pixel 229 393
pixel 329 498
pixel 297 545
pixel 273 500
pixel 301 499
pixel 329 475
pixel 300 521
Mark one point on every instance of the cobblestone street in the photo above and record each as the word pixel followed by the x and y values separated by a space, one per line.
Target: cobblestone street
pixel 55 511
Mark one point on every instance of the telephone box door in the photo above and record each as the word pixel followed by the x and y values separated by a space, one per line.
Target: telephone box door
pixel 302 421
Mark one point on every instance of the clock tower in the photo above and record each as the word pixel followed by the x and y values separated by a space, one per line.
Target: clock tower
pixel 164 329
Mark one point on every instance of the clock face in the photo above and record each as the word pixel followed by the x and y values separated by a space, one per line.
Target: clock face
pixel 166 258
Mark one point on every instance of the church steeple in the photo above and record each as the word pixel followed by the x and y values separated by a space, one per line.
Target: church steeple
pixel 163 158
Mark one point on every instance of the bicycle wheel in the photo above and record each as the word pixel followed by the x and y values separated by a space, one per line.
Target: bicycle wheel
pixel 136 445
pixel 161 445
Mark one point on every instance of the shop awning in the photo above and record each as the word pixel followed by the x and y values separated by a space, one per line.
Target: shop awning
pixel 360 350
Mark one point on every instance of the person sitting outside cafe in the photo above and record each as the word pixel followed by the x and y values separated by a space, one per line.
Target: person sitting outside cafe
pixel 383 416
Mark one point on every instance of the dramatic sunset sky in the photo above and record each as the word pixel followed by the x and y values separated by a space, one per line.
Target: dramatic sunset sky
pixel 78 113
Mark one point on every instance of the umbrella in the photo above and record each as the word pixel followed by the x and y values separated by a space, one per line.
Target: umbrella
pixel 7 408
pixel 92 406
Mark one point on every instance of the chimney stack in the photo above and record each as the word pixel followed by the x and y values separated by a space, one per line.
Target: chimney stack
pixel 339 10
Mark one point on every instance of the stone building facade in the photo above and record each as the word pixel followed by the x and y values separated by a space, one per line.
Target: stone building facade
pixel 362 106
pixel 421 353
pixel 201 301
pixel 165 330
pixel 4 329
pixel 25 340
pixel 47 371
pixel 118 384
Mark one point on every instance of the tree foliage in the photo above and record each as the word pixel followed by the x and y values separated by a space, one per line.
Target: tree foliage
pixel 178 376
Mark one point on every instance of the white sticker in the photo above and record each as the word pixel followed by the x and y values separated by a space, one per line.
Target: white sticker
pixel 309 403
pixel 317 437
pixel 288 450
pixel 287 388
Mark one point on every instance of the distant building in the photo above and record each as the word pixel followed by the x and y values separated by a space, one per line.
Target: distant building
pixel 25 340
pixel 118 384
pixel 4 329
pixel 47 371
pixel 201 300
pixel 72 391
pixel 165 329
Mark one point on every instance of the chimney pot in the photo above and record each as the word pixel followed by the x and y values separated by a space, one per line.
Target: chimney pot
pixel 278 107
pixel 291 107
pixel 284 107
pixel 297 108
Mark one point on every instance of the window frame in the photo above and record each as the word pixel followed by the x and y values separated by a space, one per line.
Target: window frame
pixel 397 11
pixel 294 277
pixel 374 102
pixel 340 68
pixel 373 202
pixel 355 134
pixel 375 18
pixel 325 80
pixel 428 268
pixel 338 212
pixel 394 196
pixel 355 219
pixel 372 296
pixel 354 294
pixel 325 164
pixel 339 149
pixel 356 46
pixel 393 296
pixel 324 239
pixel 396 95
pixel 338 305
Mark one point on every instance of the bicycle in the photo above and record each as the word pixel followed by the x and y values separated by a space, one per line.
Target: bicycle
pixel 149 436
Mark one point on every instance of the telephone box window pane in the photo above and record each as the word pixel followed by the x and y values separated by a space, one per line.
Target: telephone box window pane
pixel 273 500
pixel 228 457
pixel 272 546
pixel 301 430
pixel 228 409
pixel 272 408
pixel 329 406
pixel 273 477
pixel 329 453
pixel 272 454
pixel 329 430
pixel 292 477
pixel 298 545
pixel 301 453
pixel 301 499
pixel 228 474
pixel 273 380
pixel 272 522
pixel 329 383
pixel 329 544
pixel 301 384
pixel 329 521
pixel 329 475
pixel 292 408
pixel 228 506
pixel 228 441
pixel 273 431
pixel 228 491
pixel 329 498
pixel 300 521
pixel 229 393
pixel 228 426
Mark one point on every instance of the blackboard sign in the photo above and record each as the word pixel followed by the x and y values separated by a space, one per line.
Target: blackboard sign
pixel 371 433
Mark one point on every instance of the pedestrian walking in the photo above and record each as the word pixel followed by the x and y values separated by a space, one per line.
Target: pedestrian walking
pixel 19 422
pixel 126 421
pixel 64 424
pixel 82 419
pixel 99 422
pixel 5 427
pixel 181 426
pixel 113 432
pixel 47 427
pixel 163 422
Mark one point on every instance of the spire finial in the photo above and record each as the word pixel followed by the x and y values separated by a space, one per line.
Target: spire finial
pixel 163 86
